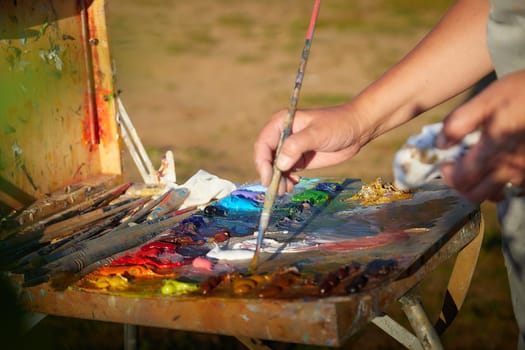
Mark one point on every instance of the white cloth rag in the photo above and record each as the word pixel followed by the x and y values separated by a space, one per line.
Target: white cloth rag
pixel 418 161
pixel 205 187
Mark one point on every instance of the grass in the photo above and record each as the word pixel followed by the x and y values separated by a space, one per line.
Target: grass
pixel 318 100
pixel 380 17
pixel 195 41
pixel 243 23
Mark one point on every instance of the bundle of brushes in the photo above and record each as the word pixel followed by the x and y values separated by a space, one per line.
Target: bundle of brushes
pixel 46 242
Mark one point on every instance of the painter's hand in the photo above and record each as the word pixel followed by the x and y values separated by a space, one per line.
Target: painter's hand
pixel 319 138
pixel 499 157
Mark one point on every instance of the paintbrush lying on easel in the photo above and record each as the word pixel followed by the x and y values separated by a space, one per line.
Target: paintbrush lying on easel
pixel 87 252
pixel 269 198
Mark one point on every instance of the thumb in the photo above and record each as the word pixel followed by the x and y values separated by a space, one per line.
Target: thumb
pixel 293 149
pixel 463 120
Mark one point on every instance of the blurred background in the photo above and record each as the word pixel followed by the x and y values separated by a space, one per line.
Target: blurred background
pixel 202 77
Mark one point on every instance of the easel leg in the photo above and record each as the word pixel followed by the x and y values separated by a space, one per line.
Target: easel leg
pixel 130 337
pixel 457 288
pixel 252 343
pixel 398 332
pixel 29 320
pixel 419 321
pixel 460 279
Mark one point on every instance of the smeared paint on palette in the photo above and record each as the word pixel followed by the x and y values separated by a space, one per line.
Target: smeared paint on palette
pixel 323 240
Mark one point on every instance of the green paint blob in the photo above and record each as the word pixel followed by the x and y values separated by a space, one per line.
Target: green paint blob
pixel 312 196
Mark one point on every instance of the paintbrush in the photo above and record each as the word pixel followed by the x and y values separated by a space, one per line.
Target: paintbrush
pixel 59 231
pixel 139 215
pixel 173 200
pixel 168 202
pixel 62 229
pixel 34 231
pixel 30 237
pixel 115 241
pixel 62 280
pixel 68 245
pixel 271 192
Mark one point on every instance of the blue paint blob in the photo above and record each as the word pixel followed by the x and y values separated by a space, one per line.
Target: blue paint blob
pixel 254 188
pixel 239 203
pixel 330 187
pixel 239 226
pixel 252 195
pixel 196 220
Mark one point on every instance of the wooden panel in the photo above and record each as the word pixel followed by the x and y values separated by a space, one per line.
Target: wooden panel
pixel 326 321
pixel 46 129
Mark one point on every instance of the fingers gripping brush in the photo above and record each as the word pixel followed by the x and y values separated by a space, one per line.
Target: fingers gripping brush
pixel 271 192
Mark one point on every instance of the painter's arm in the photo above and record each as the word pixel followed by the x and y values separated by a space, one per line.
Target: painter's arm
pixel 451 58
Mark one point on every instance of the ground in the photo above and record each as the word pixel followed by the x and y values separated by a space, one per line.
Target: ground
pixel 201 77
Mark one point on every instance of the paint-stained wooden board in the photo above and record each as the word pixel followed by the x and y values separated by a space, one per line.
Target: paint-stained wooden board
pixel 435 225
pixel 57 111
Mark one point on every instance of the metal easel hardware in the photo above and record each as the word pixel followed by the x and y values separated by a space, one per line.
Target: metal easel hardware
pixel 397 331
pixel 416 315
pixel 427 336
